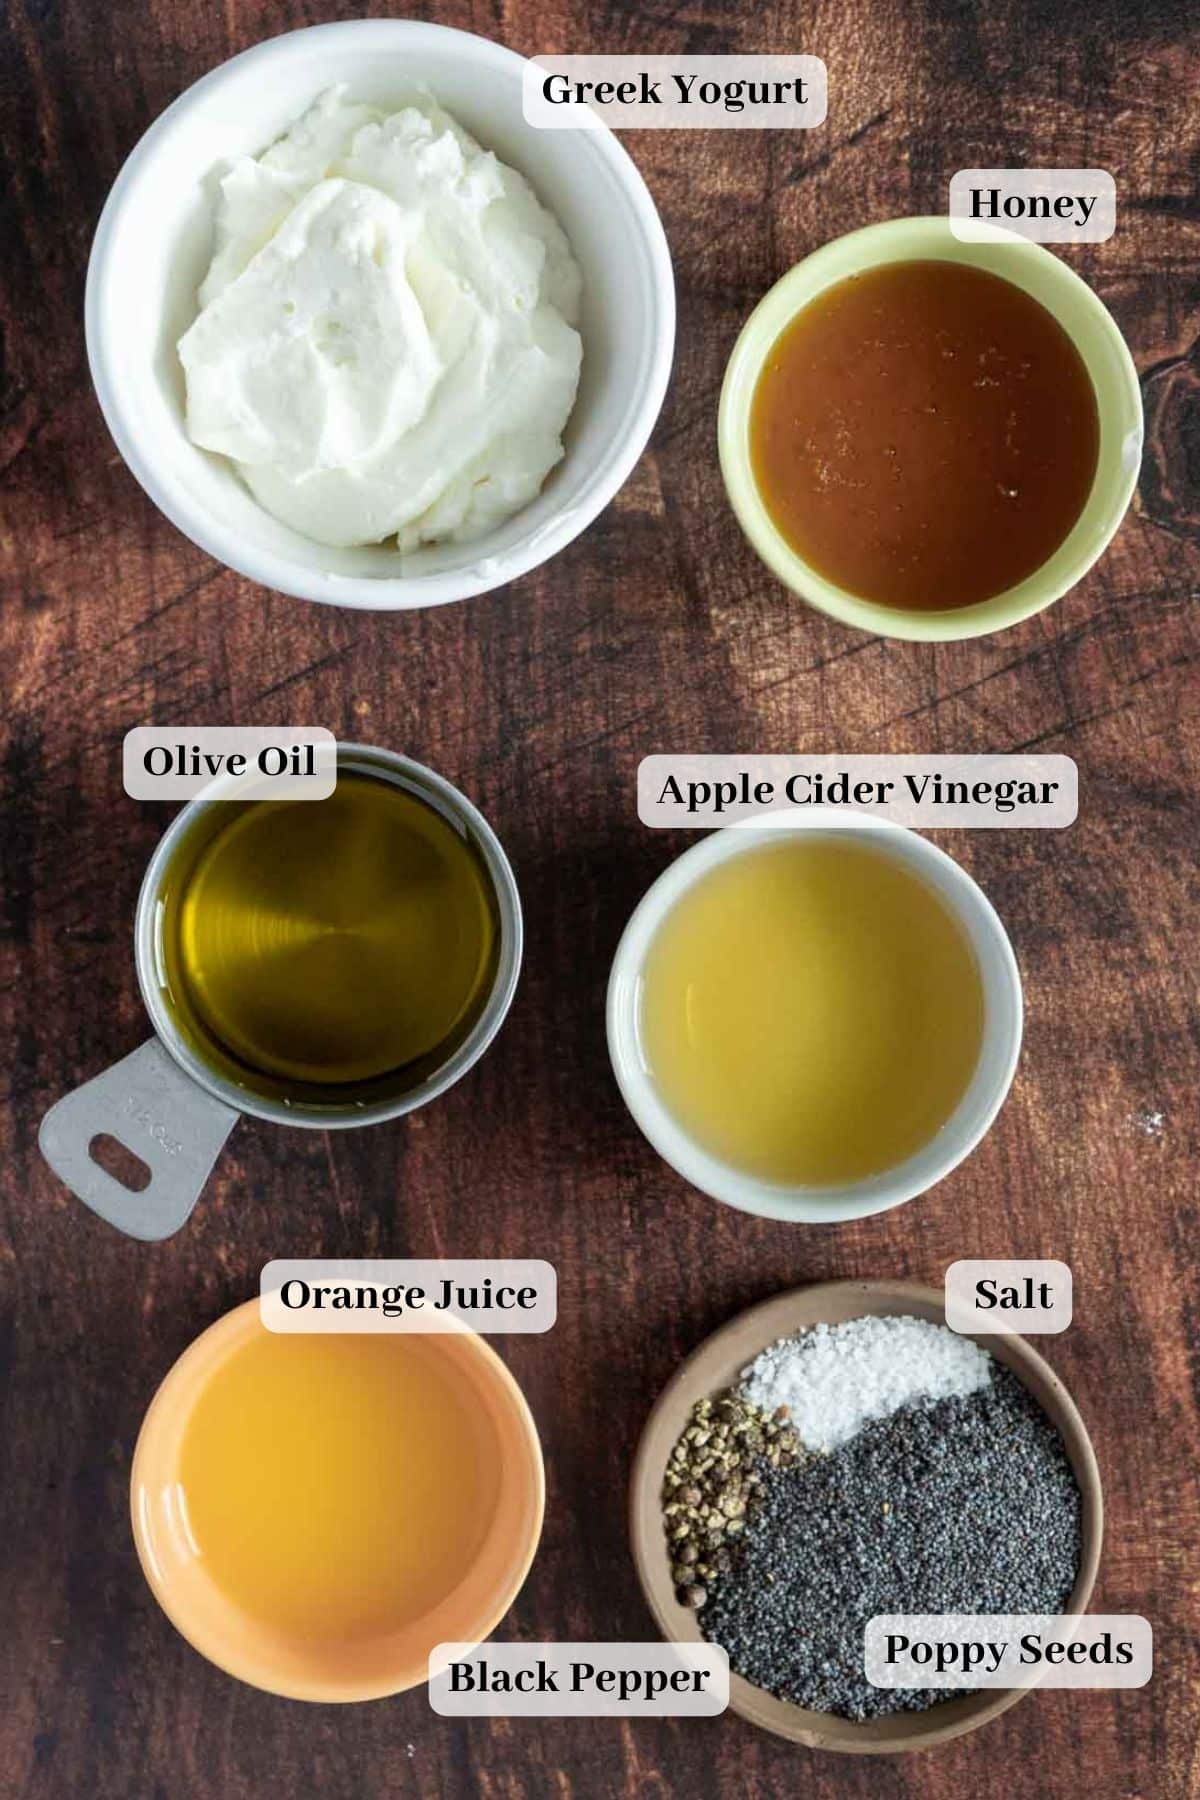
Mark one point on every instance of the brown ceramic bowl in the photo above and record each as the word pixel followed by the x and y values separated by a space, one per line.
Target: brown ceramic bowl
pixel 715 1365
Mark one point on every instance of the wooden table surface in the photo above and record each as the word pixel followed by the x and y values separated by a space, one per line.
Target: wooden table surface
pixel 657 630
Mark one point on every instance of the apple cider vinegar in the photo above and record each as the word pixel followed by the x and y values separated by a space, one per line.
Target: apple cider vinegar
pixel 811 1011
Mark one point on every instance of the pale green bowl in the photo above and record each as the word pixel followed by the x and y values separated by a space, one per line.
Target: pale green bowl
pixel 1077 309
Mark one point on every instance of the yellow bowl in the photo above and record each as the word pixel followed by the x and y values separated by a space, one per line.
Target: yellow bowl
pixel 339 1670
pixel 1083 317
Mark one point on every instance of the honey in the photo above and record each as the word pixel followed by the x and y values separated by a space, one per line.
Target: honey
pixel 811 1011
pixel 924 435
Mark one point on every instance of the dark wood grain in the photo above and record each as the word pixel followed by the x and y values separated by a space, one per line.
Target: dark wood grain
pixel 658 630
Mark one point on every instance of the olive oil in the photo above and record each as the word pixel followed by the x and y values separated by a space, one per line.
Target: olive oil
pixel 338 1487
pixel 811 1012
pixel 326 947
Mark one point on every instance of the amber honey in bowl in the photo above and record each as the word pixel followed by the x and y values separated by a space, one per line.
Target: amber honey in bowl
pixel 924 435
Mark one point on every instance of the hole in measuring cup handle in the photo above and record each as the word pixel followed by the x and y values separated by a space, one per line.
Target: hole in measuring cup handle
pixel 160 1119
pixel 119 1161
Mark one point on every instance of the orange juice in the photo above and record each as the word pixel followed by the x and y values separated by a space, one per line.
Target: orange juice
pixel 338 1488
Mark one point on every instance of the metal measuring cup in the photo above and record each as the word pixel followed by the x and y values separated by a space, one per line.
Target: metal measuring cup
pixel 174 1111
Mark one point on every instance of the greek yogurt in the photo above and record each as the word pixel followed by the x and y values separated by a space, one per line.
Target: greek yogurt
pixel 386 343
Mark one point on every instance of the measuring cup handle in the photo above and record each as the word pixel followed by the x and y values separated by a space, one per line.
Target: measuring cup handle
pixel 158 1115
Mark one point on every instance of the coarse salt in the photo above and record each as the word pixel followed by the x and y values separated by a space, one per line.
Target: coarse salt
pixel 832 1379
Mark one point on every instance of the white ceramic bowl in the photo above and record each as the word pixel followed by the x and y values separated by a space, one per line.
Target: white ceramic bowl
pixel 878 1193
pixel 153 246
